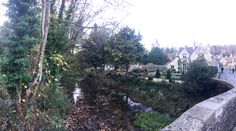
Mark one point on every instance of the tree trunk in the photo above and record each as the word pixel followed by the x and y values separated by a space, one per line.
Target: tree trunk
pixel 20 105
pixel 44 32
pixel 45 20
pixel 62 8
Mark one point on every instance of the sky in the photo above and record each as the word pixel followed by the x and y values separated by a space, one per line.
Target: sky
pixel 2 12
pixel 175 23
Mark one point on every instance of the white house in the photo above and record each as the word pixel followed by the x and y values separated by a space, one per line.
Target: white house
pixel 182 59
pixel 173 64
pixel 188 54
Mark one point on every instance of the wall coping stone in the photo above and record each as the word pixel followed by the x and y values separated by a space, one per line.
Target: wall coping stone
pixel 217 113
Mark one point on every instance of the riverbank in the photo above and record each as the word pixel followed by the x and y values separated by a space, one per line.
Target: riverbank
pixel 100 109
pixel 103 107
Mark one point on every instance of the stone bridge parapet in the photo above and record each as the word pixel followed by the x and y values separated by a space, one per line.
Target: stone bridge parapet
pixel 214 114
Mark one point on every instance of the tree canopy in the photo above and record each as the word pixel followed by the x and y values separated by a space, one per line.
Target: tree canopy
pixel 23 37
pixel 198 77
pixel 156 56
pixel 125 48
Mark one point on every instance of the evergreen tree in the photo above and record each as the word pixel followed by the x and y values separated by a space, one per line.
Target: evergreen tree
pixel 24 33
pixel 156 56
pixel 125 49
pixel 157 74
pixel 92 53
pixel 168 75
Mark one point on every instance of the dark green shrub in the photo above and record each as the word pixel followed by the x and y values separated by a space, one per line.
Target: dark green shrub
pixel 168 75
pixel 158 74
pixel 213 70
pixel 151 121
pixel 137 72
pixel 198 79
pixel 57 100
pixel 145 73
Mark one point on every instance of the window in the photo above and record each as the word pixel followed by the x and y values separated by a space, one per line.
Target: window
pixel 184 67
pixel 184 56
pixel 172 66
pixel 201 56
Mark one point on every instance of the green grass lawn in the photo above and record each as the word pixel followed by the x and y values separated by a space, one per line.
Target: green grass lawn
pixel 151 73
pixel 174 76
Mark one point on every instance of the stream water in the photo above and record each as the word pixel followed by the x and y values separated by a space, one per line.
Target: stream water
pixel 79 95
pixel 101 109
pixel 137 106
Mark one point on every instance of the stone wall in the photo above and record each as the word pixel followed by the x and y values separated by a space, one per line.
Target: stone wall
pixel 215 114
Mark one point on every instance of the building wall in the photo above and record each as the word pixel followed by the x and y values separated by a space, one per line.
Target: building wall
pixel 201 51
pixel 184 54
pixel 185 57
pixel 173 63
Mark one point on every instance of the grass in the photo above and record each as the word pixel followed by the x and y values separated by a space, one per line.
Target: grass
pixel 151 121
pixel 151 73
pixel 174 76
pixel 164 97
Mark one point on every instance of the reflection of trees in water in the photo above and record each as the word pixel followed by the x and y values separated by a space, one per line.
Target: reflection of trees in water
pixel 101 105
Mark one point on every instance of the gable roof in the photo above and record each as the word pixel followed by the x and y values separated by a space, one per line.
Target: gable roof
pixel 190 50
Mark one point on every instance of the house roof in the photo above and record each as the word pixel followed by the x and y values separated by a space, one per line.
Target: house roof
pixel 190 50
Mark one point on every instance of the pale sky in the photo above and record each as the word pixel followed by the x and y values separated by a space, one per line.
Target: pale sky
pixel 178 22
pixel 2 12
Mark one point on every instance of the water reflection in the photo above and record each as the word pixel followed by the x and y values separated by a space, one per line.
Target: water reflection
pixel 137 106
pixel 77 93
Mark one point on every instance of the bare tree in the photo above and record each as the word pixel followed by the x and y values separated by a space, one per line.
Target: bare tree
pixel 45 20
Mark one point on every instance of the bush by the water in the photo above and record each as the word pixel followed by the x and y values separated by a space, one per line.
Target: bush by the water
pixel 213 70
pixel 164 97
pixel 198 79
pixel 151 121
pixel 170 99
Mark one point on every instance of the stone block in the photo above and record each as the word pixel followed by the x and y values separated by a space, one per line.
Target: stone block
pixel 185 123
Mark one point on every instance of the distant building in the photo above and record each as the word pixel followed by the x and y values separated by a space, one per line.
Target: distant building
pixel 156 45
pixel 204 52
pixel 228 61
pixel 188 54
pixel 234 62
pixel 108 67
